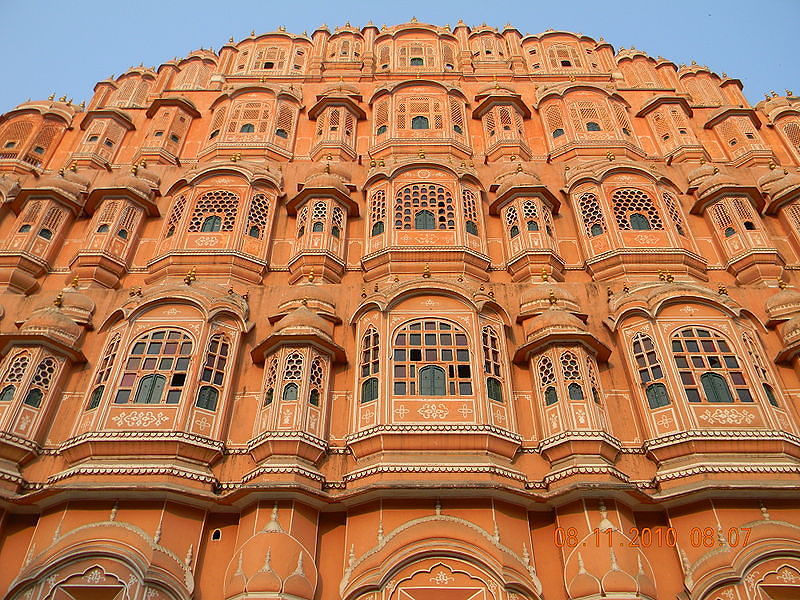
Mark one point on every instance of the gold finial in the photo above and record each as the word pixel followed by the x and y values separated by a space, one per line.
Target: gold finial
pixel 381 163
pixel 609 292
pixel 311 276
pixel 421 154
pixel 61 172
pixel 772 165
pixel 375 289
pixel 512 158
pixel 782 284
pixel 135 291
pixel 58 302
pixel 304 301
pixel 545 275
pixel 230 40
pixel 327 168
pixel 716 170
pixel 372 163
pixel 62 99
pixel 626 289
pixel 774 93
pixel 426 272
pixel 74 283
pixel 789 93
pixel 669 278
pixel 51 97
pixel 143 164
pixel 190 277
pixel 363 293
pixel 662 276
pixel 134 169
pixel 552 298
pixel 610 156
pixel 519 168
pixel 766 96
pixel 252 33
pixel 571 77
pixel 329 157
pixel 69 101
pixel 74 166
pixel 724 75
pixel 722 290
pixel 282 28
pixel 413 19
pixel 82 105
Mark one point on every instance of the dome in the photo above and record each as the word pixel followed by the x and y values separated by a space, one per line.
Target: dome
pixel 714 181
pixel 778 182
pixel 517 179
pixel 77 305
pixel 271 562
pixel 300 320
pixel 791 331
pixel 553 320
pixel 8 188
pixel 131 182
pixel 541 297
pixel 783 304
pixel 60 183
pixel 51 320
pixel 695 176
pixel 327 180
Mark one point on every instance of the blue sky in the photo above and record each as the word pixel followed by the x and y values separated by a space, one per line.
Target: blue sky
pixel 66 47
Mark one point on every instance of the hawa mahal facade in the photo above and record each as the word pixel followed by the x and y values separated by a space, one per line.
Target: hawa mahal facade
pixel 390 313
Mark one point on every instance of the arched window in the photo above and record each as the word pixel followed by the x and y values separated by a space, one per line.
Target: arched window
pixel 532 225
pixel 290 392
pixel 102 229
pixel 424 219
pixel 45 233
pixel 164 353
pixel 377 228
pixel 7 393
pixel 638 222
pixel 592 126
pixel 317 227
pixel 369 389
pixel 657 395
pixel 14 374
pixel 705 358
pixel 431 343
pixel 150 389
pixel 575 391
pixel 103 372
pixel 377 209
pixel 212 223
pixel 558 132
pixel 213 373
pixel 417 62
pixel 432 381
pixel 370 358
pixel 716 388
pixel 514 232
pixel 247 128
pixel 494 389
pixel 419 122
pixel 381 130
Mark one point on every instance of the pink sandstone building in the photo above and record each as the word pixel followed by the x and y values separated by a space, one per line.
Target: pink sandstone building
pixel 401 313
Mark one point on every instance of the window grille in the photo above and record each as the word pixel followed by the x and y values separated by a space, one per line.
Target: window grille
pixel 431 357
pixel 470 210
pixel 706 361
pixel 157 360
pixel 103 371
pixel 429 196
pixel 40 383
pixel 220 203
pixel 257 216
pixel 674 213
pixel 175 216
pixel 629 202
pixel 378 211
pixel 16 132
pixel 591 215
pixel 547 380
pixel 294 366
pixel 270 381
pixel 213 372
pixel 792 132
pixel 562 56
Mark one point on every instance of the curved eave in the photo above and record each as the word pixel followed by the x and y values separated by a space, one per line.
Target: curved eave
pixel 724 113
pixel 108 113
pixel 562 91
pixel 18 338
pixel 50 112
pixel 307 193
pixel 183 103
pixel 654 103
pixel 601 351
pixel 147 202
pixel 491 100
pixel 72 202
pixel 536 190
pixel 789 353
pixel 259 353
pixel 324 101
pixel 777 201
pixel 418 163
pixel 752 193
